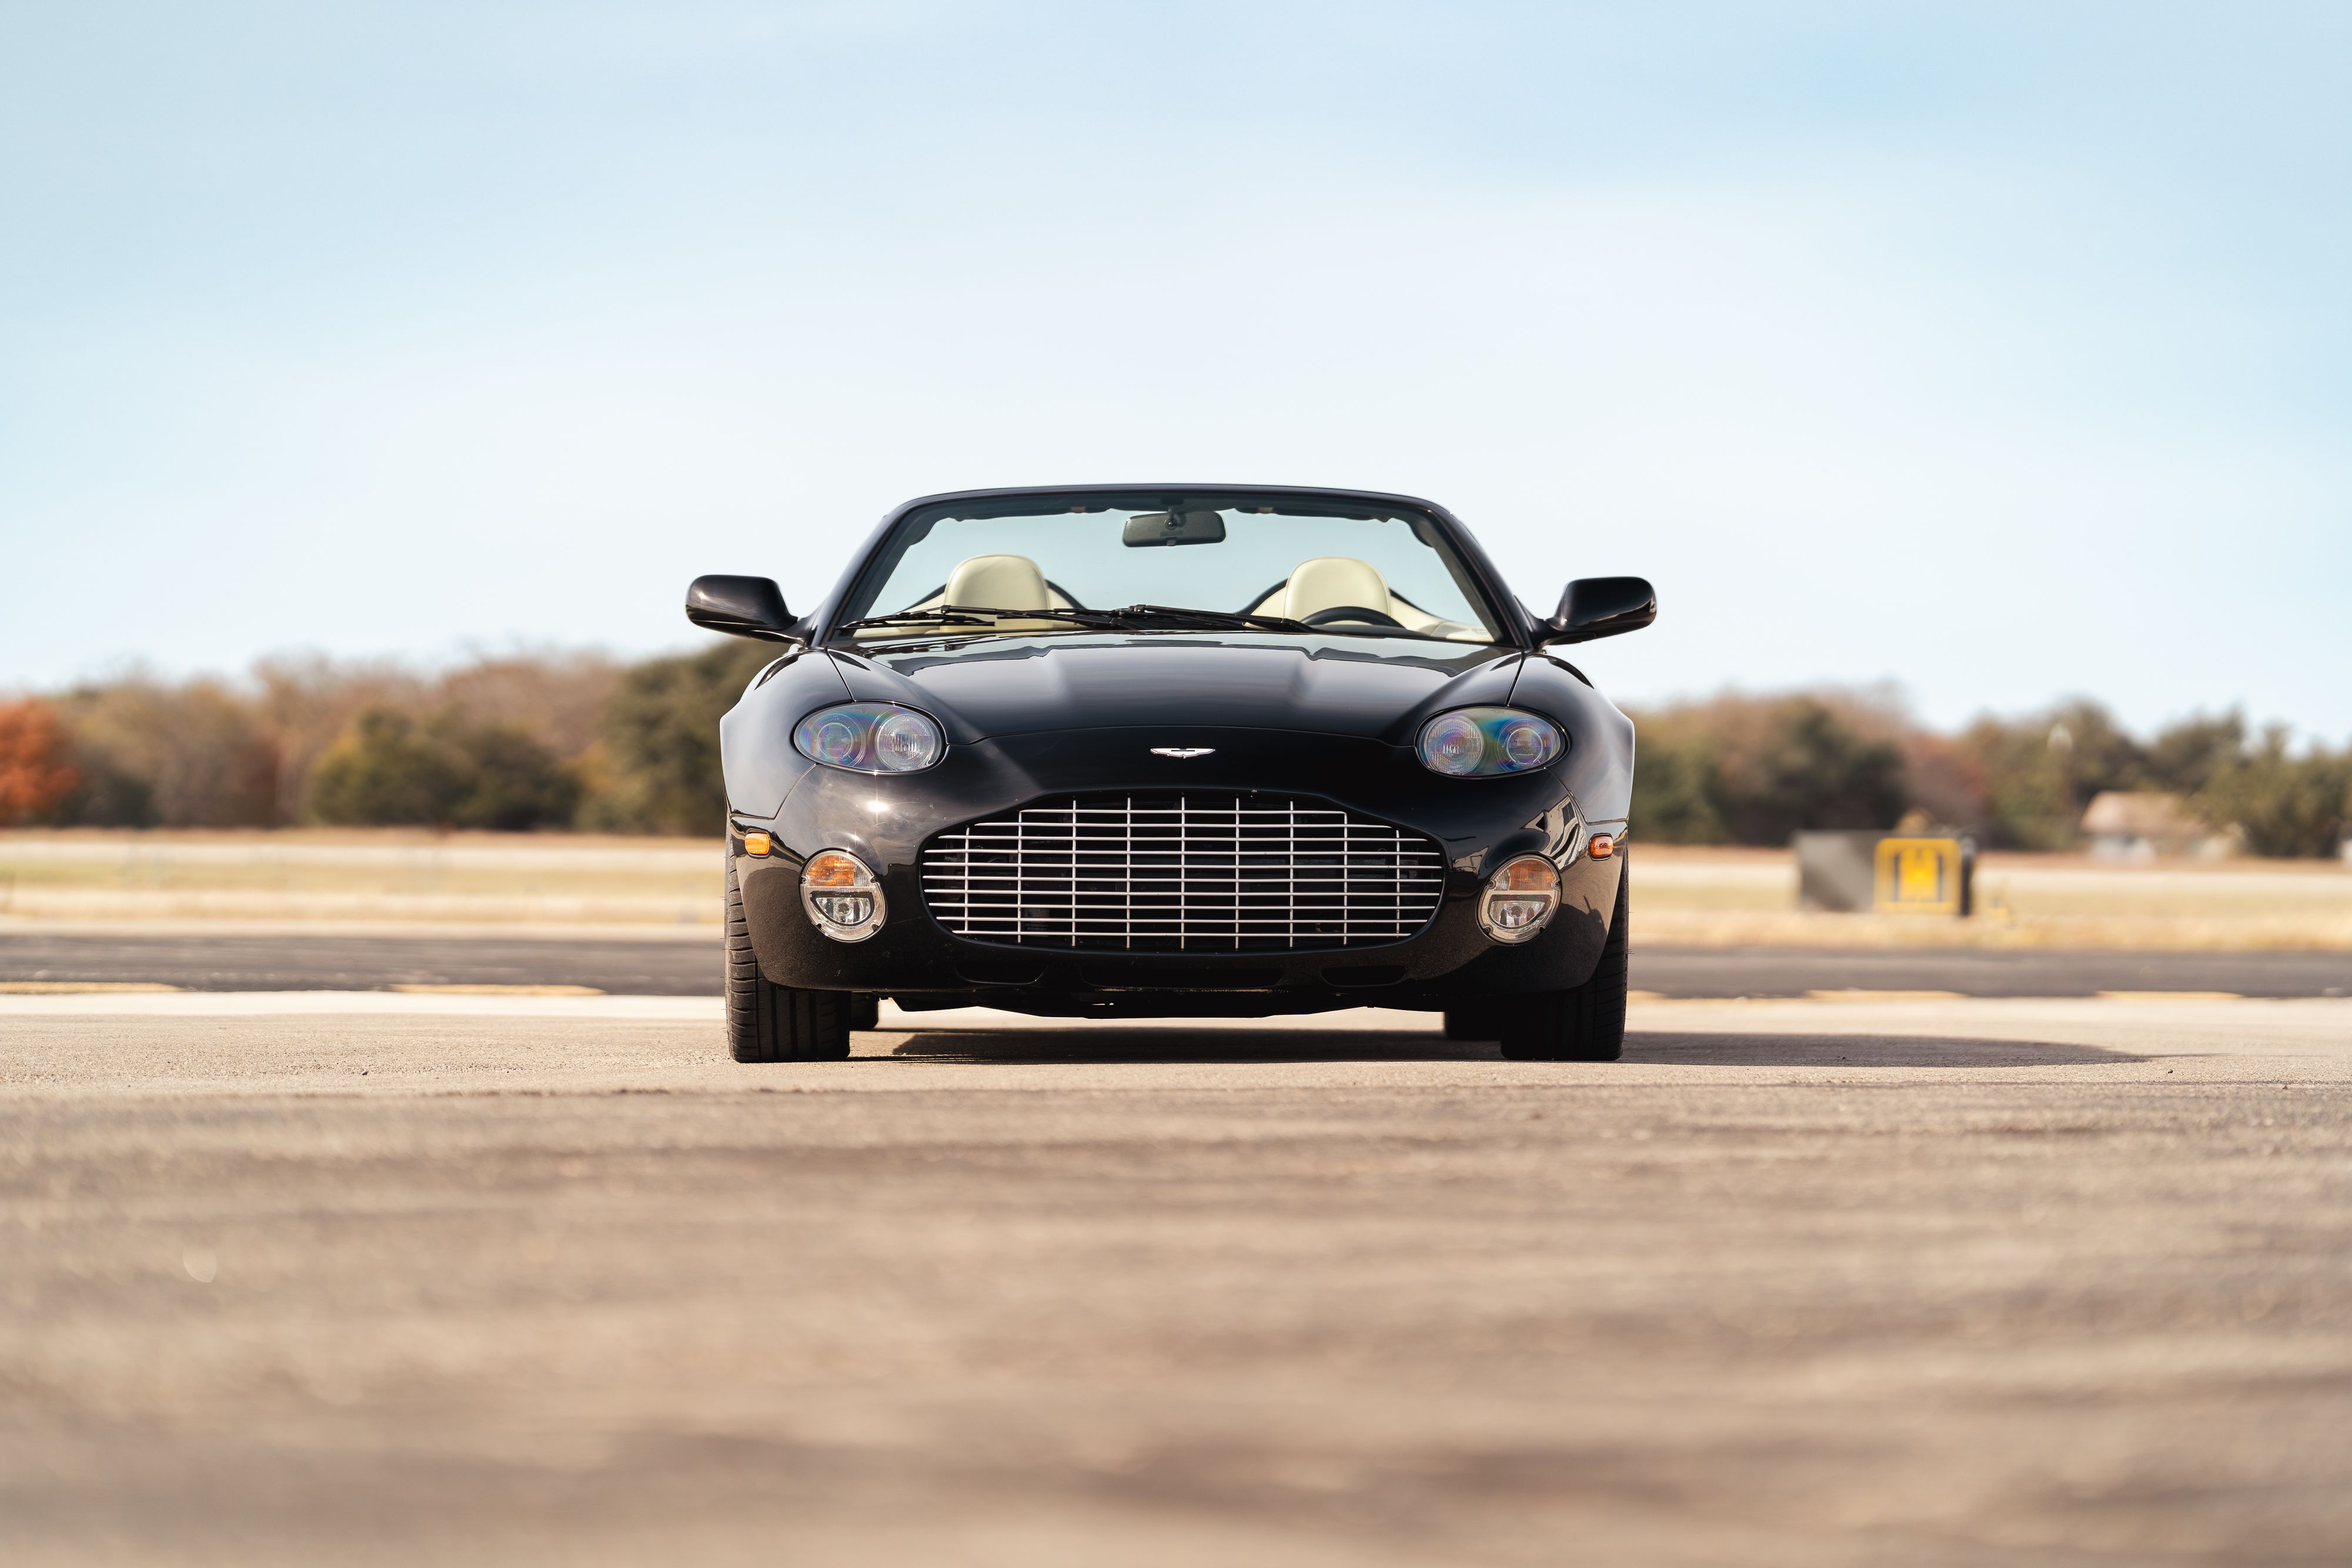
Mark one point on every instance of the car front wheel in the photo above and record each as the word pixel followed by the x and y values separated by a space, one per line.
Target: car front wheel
pixel 767 1022
pixel 1583 1023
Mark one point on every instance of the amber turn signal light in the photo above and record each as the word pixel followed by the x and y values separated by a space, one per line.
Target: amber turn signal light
pixel 1603 846
pixel 758 843
pixel 832 869
pixel 1529 874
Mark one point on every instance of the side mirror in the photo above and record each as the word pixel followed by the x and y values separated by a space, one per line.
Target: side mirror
pixel 740 607
pixel 1601 607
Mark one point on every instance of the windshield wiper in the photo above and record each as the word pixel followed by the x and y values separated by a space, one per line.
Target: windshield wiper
pixel 1220 620
pixel 1244 620
pixel 1131 618
pixel 970 615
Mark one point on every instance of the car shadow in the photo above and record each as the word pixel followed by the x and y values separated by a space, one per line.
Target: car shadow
pixel 1087 1044
pixel 1698 1048
pixel 1110 1044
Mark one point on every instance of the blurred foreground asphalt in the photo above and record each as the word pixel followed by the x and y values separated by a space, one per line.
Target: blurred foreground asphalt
pixel 688 964
pixel 394 1278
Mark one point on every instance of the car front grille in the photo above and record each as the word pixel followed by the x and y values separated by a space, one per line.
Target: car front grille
pixel 1192 872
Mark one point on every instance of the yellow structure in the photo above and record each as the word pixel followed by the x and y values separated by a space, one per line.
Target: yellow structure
pixel 1918 876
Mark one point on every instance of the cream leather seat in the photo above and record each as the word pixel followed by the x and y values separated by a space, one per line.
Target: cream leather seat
pixel 1328 582
pixel 997 582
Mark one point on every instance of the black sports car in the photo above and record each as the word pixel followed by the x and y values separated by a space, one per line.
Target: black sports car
pixel 1175 750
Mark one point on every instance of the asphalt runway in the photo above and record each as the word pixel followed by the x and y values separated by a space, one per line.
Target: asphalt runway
pixel 201 960
pixel 388 1279
pixel 688 965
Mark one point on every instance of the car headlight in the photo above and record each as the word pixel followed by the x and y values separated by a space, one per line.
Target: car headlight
pixel 841 897
pixel 870 737
pixel 1472 741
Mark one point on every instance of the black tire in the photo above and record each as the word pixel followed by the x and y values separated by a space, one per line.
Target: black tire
pixel 1585 1023
pixel 1474 1023
pixel 769 1022
pixel 864 1010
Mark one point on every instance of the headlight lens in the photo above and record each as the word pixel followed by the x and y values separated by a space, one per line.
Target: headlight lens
pixel 1472 741
pixel 905 742
pixel 870 737
pixel 1454 744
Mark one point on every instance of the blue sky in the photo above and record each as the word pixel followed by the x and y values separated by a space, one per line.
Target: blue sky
pixel 2002 351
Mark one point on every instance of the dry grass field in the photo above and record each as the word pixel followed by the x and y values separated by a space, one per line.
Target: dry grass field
pixel 1737 897
pixel 358 875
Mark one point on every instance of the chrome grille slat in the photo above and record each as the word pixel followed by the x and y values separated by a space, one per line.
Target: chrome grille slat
pixel 1199 871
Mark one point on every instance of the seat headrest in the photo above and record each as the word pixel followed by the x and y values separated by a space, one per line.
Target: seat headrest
pixel 998 583
pixel 1331 581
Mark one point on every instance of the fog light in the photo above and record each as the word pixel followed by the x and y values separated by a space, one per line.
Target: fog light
pixel 1519 898
pixel 841 897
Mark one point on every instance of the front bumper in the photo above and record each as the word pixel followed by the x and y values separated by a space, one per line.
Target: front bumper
pixel 886 821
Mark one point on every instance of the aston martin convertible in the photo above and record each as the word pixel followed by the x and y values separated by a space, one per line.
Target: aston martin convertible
pixel 1175 750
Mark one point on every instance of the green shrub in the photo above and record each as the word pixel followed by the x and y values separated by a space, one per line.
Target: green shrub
pixel 2287 805
pixel 516 782
pixel 2185 757
pixel 1674 794
pixel 2041 770
pixel 1756 769
pixel 388 771
pixel 658 768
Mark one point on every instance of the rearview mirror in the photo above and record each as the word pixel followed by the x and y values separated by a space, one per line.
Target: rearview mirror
pixel 1601 607
pixel 740 607
pixel 1148 528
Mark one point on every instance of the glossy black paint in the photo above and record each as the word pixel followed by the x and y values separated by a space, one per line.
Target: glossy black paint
pixel 1330 684
pixel 740 606
pixel 1034 715
pixel 1602 607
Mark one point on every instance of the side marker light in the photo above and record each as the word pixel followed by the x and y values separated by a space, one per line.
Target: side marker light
pixel 1603 846
pixel 758 843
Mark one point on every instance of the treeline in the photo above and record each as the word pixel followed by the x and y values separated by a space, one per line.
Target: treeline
pixel 563 740
pixel 577 740
pixel 1751 770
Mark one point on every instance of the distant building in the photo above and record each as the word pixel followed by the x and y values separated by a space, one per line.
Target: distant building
pixel 2140 825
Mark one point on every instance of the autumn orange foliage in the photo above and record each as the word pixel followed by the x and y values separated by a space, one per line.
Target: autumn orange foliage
pixel 34 772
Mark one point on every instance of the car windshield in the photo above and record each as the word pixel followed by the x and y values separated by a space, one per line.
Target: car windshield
pixel 1341 568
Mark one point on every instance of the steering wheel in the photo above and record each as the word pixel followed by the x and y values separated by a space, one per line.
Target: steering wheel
pixel 1352 613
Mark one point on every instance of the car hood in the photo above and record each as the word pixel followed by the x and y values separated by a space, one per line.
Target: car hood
pixel 1369 687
